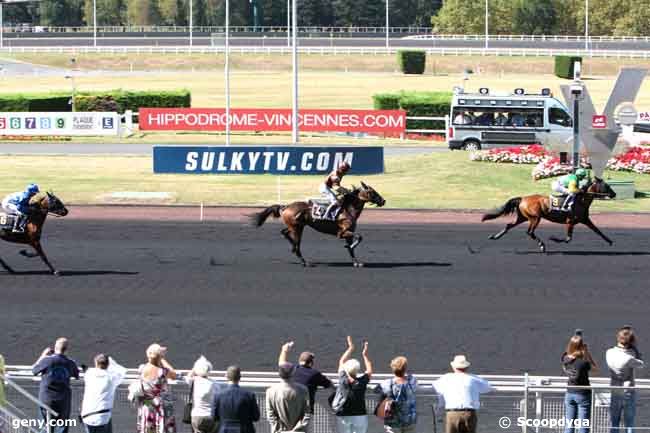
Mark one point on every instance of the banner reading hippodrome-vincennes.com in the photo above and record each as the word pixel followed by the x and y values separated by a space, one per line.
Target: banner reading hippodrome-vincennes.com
pixel 59 124
pixel 214 119
pixel 285 160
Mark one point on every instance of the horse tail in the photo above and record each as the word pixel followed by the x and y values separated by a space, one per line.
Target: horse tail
pixel 510 207
pixel 258 219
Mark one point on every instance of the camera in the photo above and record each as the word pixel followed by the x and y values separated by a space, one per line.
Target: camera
pixel 578 332
pixel 576 89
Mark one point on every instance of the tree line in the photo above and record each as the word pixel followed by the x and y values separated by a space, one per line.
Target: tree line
pixel 320 13
pixel 551 17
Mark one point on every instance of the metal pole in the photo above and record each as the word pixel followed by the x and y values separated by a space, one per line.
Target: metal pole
pixel 387 35
pixel 2 28
pixel 576 131
pixel 586 25
pixel 227 72
pixel 95 23
pixel 486 25
pixel 294 113
pixel 288 23
pixel 190 22
pixel 525 400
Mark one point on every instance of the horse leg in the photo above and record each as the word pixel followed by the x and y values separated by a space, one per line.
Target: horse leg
pixel 39 249
pixel 532 225
pixel 352 241
pixel 593 227
pixel 6 266
pixel 297 235
pixel 285 232
pixel 520 219
pixel 569 234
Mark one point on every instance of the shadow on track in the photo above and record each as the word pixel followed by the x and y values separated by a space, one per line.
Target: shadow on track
pixel 586 253
pixel 383 265
pixel 71 273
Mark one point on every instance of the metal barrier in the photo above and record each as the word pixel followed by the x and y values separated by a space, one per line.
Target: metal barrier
pixel 527 397
pixel 429 131
pixel 11 413
pixel 333 50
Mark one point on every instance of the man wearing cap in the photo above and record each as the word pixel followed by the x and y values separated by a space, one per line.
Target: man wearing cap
pixel 461 392
pixel 99 394
pixel 287 403
pixel 305 373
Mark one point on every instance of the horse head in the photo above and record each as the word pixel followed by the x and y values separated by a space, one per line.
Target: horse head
pixel 368 194
pixel 52 204
pixel 600 188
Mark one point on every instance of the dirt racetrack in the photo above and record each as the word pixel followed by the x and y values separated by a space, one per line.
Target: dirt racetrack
pixel 235 293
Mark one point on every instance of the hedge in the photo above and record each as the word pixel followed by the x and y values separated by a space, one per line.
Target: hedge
pixel 95 101
pixel 564 66
pixel 412 61
pixel 433 104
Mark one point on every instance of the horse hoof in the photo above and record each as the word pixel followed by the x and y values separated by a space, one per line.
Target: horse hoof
pixel 56 273
pixel 358 265
pixel 492 237
pixel 542 249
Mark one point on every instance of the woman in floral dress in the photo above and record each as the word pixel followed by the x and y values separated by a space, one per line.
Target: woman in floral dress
pixel 156 408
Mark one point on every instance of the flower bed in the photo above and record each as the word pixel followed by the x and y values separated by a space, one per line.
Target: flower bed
pixel 637 160
pixel 514 155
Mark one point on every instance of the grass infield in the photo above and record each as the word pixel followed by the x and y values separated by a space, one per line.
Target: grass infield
pixel 435 181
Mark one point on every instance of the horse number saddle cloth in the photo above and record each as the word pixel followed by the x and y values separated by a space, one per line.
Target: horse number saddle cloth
pixel 319 210
pixel 7 221
pixel 557 202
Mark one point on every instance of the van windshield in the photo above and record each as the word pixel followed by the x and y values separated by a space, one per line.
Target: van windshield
pixel 497 116
pixel 558 116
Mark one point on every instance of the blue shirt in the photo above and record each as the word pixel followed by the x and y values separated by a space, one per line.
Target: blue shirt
pixel 21 200
pixel 56 371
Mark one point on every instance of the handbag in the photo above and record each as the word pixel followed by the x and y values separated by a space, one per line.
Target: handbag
pixel 385 409
pixel 187 410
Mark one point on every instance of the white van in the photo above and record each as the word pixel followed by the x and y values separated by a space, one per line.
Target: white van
pixel 483 120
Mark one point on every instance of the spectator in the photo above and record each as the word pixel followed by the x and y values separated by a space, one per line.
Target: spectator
pixel 203 391
pixel 463 119
pixel 156 408
pixel 622 359
pixel 99 394
pixel 500 120
pixel 352 417
pixel 287 403
pixel 235 409
pixel 576 363
pixel 56 370
pixel 517 119
pixel 461 393
pixel 485 119
pixel 401 389
pixel 305 373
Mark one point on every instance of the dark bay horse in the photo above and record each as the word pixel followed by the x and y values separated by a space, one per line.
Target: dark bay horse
pixel 40 207
pixel 534 208
pixel 297 215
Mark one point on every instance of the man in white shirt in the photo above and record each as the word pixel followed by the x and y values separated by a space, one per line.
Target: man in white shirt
pixel 99 394
pixel 622 359
pixel 461 393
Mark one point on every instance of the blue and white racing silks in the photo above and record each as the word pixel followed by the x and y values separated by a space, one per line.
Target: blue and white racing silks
pixel 19 200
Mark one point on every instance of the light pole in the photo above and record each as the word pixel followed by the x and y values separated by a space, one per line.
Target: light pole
pixel 288 23
pixel 387 36
pixel 586 25
pixel 191 20
pixel 2 28
pixel 227 72
pixel 95 23
pixel 486 24
pixel 294 54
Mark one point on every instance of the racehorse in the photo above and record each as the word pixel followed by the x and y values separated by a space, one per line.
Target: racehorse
pixel 533 208
pixel 297 215
pixel 39 210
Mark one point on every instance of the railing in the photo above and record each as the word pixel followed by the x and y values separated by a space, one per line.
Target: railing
pixel 333 50
pixel 428 131
pixel 11 415
pixel 527 397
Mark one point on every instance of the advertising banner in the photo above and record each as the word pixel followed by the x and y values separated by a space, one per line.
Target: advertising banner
pixel 283 160
pixel 209 119
pixel 63 124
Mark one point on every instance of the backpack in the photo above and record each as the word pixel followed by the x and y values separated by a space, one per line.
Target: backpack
pixel 404 411
pixel 338 399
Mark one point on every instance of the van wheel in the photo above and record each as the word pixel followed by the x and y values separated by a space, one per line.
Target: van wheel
pixel 472 145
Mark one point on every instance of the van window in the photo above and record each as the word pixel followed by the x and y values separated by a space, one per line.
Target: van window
pixel 558 116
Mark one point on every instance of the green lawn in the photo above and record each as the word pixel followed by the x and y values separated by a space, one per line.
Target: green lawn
pixel 434 181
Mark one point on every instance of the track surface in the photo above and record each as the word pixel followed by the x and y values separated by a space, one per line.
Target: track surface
pixel 235 294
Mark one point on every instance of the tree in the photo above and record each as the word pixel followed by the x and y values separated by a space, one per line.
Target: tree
pixel 460 17
pixel 143 12
pixel 636 20
pixel 61 12
pixel 534 17
pixel 168 11
pixel 109 12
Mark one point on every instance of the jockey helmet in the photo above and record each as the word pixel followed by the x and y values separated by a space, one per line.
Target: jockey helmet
pixel 32 189
pixel 344 166
pixel 581 173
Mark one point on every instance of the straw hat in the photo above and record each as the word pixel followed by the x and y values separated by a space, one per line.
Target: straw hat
pixel 460 362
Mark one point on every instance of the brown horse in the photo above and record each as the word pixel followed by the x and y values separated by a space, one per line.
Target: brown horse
pixel 534 208
pixel 39 209
pixel 297 215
